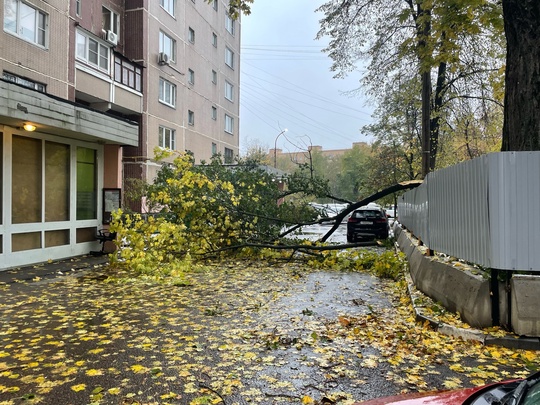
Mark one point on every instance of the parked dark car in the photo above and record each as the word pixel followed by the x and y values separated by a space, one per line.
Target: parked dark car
pixel 369 222
pixel 515 392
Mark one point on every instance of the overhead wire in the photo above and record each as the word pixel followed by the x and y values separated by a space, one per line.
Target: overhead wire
pixel 260 95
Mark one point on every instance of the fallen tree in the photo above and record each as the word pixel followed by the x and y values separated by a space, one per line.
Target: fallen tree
pixel 201 211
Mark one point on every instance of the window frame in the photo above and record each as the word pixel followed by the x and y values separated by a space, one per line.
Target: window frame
pixel 101 45
pixel 114 21
pixel 166 86
pixel 229 124
pixel 191 76
pixel 169 6
pixel 215 5
pixel 191 118
pixel 229 57
pixel 166 136
pixel 229 91
pixel 214 113
pixel 228 156
pixel 171 49
pixel 78 8
pixel 214 77
pixel 230 24
pixel 191 35
pixel 40 24
pixel 127 73
pixel 214 39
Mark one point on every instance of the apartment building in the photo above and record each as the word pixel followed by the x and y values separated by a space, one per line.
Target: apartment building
pixel 88 89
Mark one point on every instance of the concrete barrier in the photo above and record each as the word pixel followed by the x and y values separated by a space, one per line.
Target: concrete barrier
pixel 457 289
pixel 525 303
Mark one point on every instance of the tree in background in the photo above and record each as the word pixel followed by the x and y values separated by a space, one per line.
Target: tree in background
pixel 353 173
pixel 446 43
pixel 464 28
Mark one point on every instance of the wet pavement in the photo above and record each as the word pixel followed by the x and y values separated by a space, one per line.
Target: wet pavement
pixel 232 333
pixel 247 335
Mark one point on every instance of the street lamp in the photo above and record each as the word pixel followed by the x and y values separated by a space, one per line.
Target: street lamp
pixel 275 146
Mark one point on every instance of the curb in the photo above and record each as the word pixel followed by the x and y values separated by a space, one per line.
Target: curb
pixel 510 341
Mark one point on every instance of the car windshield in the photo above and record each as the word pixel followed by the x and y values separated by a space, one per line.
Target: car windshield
pixel 526 393
pixel 368 214
pixel 532 395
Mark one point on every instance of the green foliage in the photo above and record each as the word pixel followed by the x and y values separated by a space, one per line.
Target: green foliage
pixel 388 264
pixel 208 208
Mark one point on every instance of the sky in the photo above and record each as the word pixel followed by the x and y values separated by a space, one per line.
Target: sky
pixel 286 83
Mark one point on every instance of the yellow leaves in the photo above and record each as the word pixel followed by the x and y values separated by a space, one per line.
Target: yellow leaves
pixel 114 391
pixel 306 400
pixel 138 369
pixel 370 362
pixel 452 383
pixel 458 368
pixel 8 390
pixel 93 372
pixel 78 387
pixel 530 355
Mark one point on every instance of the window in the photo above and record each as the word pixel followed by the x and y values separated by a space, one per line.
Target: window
pixel 25 21
pixel 167 92
pixel 214 39
pixel 191 117
pixel 228 91
pixel 167 138
pixel 167 45
pixel 229 24
pixel 127 73
pixel 229 124
pixel 214 113
pixel 92 51
pixel 191 76
pixel 214 4
pixel 191 35
pixel 214 149
pixel 78 7
pixel 228 155
pixel 24 82
pixel 214 77
pixel 229 58
pixel 168 6
pixel 86 183
pixel 110 21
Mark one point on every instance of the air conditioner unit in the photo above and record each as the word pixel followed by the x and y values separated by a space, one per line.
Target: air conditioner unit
pixel 163 58
pixel 112 37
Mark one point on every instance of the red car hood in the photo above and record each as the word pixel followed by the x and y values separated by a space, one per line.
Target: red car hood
pixel 426 398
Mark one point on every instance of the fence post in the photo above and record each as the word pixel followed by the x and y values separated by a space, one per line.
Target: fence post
pixel 494 287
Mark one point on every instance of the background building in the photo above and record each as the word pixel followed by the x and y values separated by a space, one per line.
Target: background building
pixel 101 83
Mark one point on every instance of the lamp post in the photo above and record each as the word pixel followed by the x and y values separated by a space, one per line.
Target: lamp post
pixel 275 146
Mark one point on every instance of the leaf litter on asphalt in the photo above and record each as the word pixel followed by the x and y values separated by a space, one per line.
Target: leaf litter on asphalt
pixel 233 333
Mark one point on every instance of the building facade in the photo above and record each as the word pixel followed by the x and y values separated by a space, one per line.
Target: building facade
pixel 88 89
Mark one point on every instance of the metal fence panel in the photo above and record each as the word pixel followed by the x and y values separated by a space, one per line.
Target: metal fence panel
pixel 458 214
pixel 485 211
pixel 514 186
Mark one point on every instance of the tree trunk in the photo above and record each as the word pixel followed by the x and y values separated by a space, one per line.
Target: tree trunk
pixel 521 128
pixel 435 123
pixel 426 123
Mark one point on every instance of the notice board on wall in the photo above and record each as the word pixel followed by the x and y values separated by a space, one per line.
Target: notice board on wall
pixel 111 202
